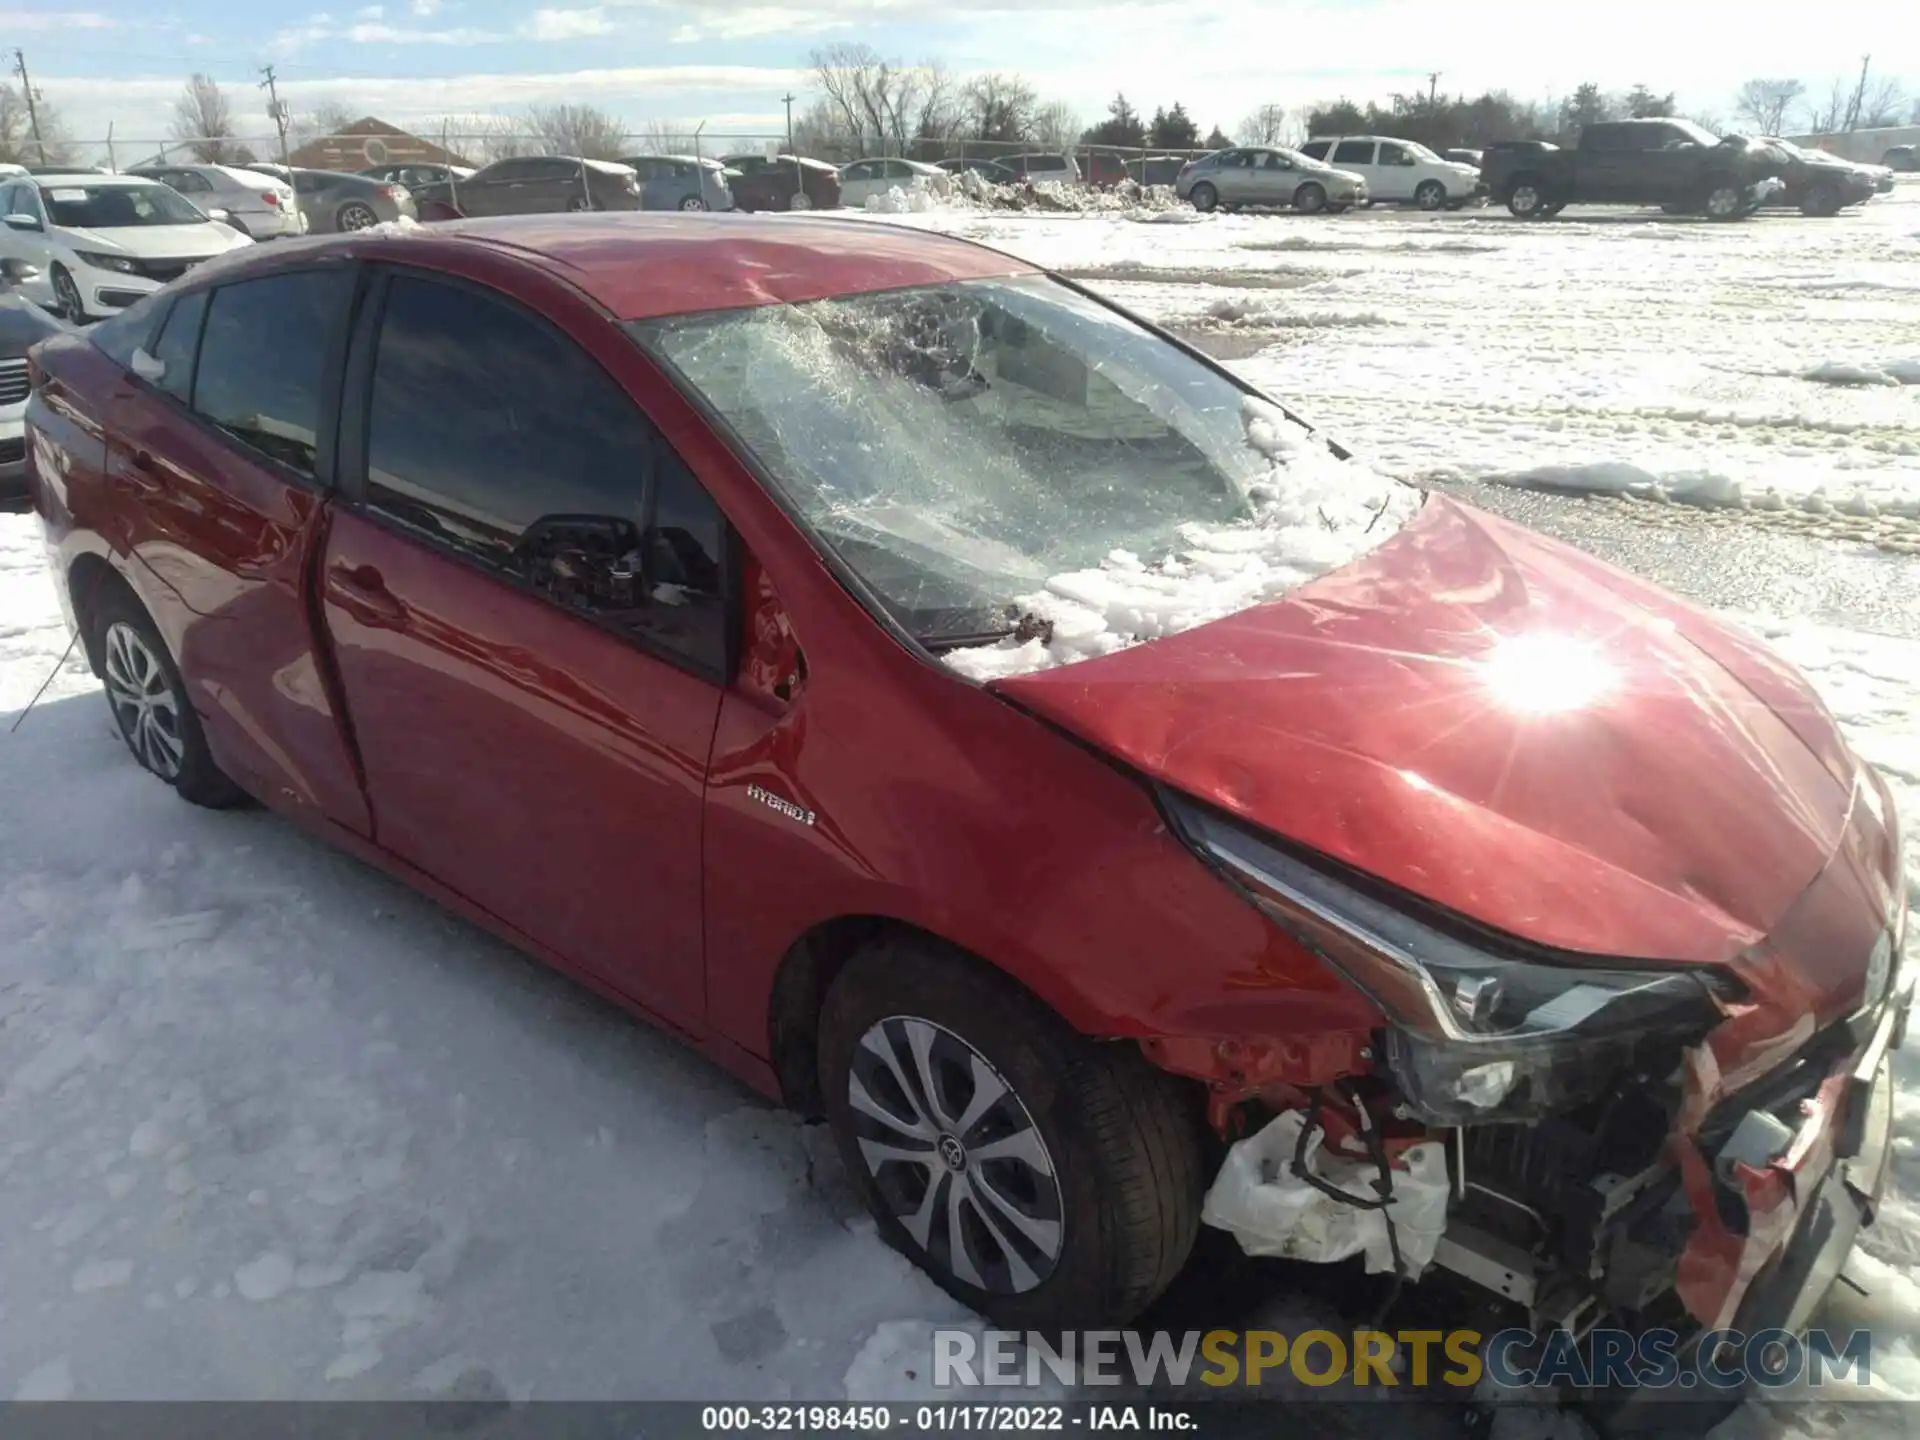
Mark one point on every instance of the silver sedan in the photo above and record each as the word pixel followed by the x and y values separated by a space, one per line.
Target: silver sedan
pixel 1268 175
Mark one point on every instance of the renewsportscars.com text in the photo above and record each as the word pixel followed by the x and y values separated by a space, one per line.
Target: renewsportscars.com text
pixel 1505 1360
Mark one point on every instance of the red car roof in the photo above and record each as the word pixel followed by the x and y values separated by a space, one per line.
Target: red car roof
pixel 640 264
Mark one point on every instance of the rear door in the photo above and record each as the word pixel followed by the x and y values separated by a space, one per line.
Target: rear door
pixel 1609 161
pixel 527 602
pixel 222 458
pixel 1233 177
pixel 1356 156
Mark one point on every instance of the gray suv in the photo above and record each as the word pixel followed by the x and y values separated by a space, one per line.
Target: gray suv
pixel 1268 175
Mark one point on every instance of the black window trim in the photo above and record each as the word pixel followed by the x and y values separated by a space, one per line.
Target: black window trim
pixel 325 449
pixel 356 403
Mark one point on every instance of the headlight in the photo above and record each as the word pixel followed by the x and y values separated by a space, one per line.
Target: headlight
pixel 101 261
pixel 1479 1031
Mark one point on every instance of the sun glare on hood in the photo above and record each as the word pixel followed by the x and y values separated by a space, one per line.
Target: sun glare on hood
pixel 1543 674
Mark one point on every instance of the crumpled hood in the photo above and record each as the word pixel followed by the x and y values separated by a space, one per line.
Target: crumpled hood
pixel 1503 725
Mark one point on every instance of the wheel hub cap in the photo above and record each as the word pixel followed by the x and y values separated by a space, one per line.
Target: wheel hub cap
pixel 955 1156
pixel 143 702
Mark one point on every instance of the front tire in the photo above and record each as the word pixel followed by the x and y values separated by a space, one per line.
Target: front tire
pixel 1528 201
pixel 1431 195
pixel 150 705
pixel 1310 198
pixel 693 202
pixel 1724 200
pixel 1046 1180
pixel 1203 197
pixel 1822 202
pixel 66 295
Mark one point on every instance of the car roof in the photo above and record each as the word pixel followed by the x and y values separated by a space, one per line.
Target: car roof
pixel 641 264
pixel 86 177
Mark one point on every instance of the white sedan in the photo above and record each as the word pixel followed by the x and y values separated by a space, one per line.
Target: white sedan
pixel 864 179
pixel 102 242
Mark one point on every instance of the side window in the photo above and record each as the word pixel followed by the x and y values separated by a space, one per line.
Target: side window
pixel 263 358
pixel 1353 152
pixel 188 183
pixel 1316 149
pixel 1604 137
pixel 1394 154
pixel 120 335
pixel 178 342
pixel 495 435
pixel 1237 159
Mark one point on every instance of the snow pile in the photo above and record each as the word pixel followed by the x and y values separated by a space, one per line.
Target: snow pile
pixel 1847 372
pixel 1313 513
pixel 1268 315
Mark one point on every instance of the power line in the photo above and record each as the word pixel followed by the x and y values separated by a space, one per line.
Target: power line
pixel 26 88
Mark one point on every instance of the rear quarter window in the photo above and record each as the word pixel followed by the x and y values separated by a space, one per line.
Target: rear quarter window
pixel 1353 152
pixel 1316 149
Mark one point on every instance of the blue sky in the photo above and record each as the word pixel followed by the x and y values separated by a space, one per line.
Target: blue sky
pixel 729 61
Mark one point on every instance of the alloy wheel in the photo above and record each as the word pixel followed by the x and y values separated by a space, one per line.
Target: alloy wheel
pixel 1431 195
pixel 1525 201
pixel 66 295
pixel 693 202
pixel 1724 202
pixel 955 1156
pixel 357 215
pixel 144 705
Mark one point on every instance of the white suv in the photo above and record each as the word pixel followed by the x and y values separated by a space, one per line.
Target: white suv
pixel 1402 172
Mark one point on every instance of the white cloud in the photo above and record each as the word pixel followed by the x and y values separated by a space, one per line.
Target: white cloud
pixel 18 21
pixel 370 12
pixel 425 7
pixel 567 24
pixel 757 20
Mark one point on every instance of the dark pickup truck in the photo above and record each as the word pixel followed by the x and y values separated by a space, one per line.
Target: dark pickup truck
pixel 1632 162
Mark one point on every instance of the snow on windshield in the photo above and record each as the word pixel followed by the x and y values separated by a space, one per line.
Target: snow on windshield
pixel 1023 476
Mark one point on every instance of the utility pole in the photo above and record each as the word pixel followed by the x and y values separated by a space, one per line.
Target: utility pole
pixel 1859 96
pixel 26 89
pixel 787 100
pixel 275 109
pixel 1433 89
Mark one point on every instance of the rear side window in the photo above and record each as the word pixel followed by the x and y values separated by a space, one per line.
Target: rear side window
pixel 1395 154
pixel 263 358
pixel 1316 149
pixel 1353 152
pixel 497 436
pixel 120 335
pixel 176 344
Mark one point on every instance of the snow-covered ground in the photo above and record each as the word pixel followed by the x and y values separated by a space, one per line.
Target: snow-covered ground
pixel 271 1125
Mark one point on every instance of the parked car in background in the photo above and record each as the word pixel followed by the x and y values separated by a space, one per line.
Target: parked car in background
pixel 773 184
pixel 416 175
pixel 23 324
pixel 632 616
pixel 1101 168
pixel 990 170
pixel 1633 162
pixel 332 201
pixel 1156 169
pixel 864 180
pixel 681 182
pixel 1821 184
pixel 1400 172
pixel 1904 158
pixel 262 207
pixel 102 242
pixel 1269 176
pixel 1462 157
pixel 1042 167
pixel 532 185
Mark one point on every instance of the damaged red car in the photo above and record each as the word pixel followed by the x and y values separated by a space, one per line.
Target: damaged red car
pixel 971 715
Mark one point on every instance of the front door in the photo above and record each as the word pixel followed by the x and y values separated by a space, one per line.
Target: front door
pixel 526 606
pixel 219 444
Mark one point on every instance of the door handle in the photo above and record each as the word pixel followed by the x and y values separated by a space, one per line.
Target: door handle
pixel 141 472
pixel 362 593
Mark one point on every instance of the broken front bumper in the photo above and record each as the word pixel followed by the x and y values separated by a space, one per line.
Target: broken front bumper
pixel 1768 1259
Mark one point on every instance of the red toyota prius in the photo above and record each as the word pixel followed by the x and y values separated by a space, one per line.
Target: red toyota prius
pixel 971 715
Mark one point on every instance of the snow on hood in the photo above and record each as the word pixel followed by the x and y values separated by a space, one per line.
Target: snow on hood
pixel 189 241
pixel 1313 512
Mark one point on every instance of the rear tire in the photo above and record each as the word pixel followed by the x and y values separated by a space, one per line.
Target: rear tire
pixel 1724 200
pixel 1310 198
pixel 1092 1190
pixel 1822 202
pixel 1203 197
pixel 693 202
pixel 1431 195
pixel 150 704
pixel 355 215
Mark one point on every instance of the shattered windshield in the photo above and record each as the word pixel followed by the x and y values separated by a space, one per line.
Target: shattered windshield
pixel 981 453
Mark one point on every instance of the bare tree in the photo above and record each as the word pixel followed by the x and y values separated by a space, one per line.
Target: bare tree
pixel 1763 104
pixel 663 137
pixel 328 118
pixel 203 122
pixel 999 106
pixel 581 130
pixel 1829 116
pixel 939 116
pixel 17 145
pixel 1882 102
pixel 1055 126
pixel 876 103
pixel 483 138
pixel 1267 125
